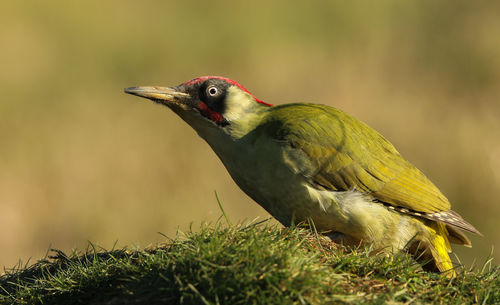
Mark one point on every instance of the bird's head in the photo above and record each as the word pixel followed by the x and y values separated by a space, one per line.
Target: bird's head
pixel 208 103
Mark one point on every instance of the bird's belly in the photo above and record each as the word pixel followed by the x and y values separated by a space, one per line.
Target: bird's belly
pixel 286 195
pixel 273 186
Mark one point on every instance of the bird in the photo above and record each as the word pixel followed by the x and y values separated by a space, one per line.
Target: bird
pixel 310 162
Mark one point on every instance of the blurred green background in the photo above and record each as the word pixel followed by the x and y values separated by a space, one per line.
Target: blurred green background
pixel 80 160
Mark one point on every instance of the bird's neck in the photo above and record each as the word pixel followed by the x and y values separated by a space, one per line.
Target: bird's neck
pixel 242 112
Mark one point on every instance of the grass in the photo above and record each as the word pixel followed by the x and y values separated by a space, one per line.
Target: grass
pixel 241 264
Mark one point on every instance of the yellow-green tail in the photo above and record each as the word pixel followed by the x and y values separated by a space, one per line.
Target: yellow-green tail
pixel 440 247
pixel 432 250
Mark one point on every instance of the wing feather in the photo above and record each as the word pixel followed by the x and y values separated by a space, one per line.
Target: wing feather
pixel 342 153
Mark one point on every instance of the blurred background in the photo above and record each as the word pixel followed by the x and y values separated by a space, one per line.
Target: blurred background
pixel 81 161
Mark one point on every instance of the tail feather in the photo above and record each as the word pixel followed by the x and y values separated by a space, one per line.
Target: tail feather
pixel 457 237
pixel 432 251
pixel 440 247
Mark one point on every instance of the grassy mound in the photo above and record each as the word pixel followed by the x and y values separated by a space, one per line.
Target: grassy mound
pixel 241 264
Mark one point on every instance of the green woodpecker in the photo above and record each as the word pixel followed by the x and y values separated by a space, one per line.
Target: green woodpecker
pixel 305 162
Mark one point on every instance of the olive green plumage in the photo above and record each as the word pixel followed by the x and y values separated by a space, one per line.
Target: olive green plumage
pixel 313 162
pixel 348 154
pixel 345 154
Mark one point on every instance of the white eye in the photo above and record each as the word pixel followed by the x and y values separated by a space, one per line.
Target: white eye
pixel 212 91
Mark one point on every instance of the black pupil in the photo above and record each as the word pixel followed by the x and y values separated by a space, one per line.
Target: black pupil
pixel 212 91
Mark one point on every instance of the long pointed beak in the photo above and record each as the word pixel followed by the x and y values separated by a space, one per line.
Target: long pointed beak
pixel 164 95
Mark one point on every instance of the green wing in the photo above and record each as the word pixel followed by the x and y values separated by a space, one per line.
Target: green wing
pixel 341 153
